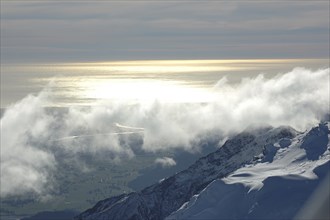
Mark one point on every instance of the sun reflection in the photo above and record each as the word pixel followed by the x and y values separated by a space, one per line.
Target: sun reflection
pixel 144 90
pixel 144 80
pixel 154 67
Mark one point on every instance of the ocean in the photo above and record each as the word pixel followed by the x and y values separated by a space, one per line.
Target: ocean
pixel 88 84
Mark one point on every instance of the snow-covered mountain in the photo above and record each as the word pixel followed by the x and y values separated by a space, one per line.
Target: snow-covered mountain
pixel 275 186
pixel 250 176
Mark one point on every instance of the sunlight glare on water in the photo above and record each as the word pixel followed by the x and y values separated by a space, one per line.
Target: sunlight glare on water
pixel 92 83
pixel 144 90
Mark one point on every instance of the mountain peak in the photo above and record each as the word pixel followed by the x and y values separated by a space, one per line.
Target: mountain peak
pixel 245 163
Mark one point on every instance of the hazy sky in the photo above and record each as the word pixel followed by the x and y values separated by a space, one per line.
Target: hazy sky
pixel 55 31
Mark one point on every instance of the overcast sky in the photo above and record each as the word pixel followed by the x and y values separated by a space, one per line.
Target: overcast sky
pixel 56 31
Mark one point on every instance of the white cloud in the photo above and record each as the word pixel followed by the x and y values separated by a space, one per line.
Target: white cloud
pixel 25 165
pixel 165 162
pixel 31 136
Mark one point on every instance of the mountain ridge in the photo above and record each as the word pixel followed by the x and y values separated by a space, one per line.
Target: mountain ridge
pixel 161 199
pixel 276 186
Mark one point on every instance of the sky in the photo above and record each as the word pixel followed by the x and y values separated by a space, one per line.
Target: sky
pixel 70 31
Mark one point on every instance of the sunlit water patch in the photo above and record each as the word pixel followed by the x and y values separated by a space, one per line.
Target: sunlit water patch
pixel 130 81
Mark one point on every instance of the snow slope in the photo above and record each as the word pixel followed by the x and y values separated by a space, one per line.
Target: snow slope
pixel 161 199
pixel 275 186
pixel 265 173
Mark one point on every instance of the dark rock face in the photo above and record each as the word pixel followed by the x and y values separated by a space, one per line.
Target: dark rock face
pixel 315 142
pixel 161 199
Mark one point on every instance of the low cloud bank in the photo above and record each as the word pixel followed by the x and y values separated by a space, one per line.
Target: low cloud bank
pixel 32 136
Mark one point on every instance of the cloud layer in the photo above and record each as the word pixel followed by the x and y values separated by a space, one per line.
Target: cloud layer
pixel 34 138
pixel 103 30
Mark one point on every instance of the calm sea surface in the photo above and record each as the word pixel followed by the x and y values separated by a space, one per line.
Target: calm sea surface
pixel 167 80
